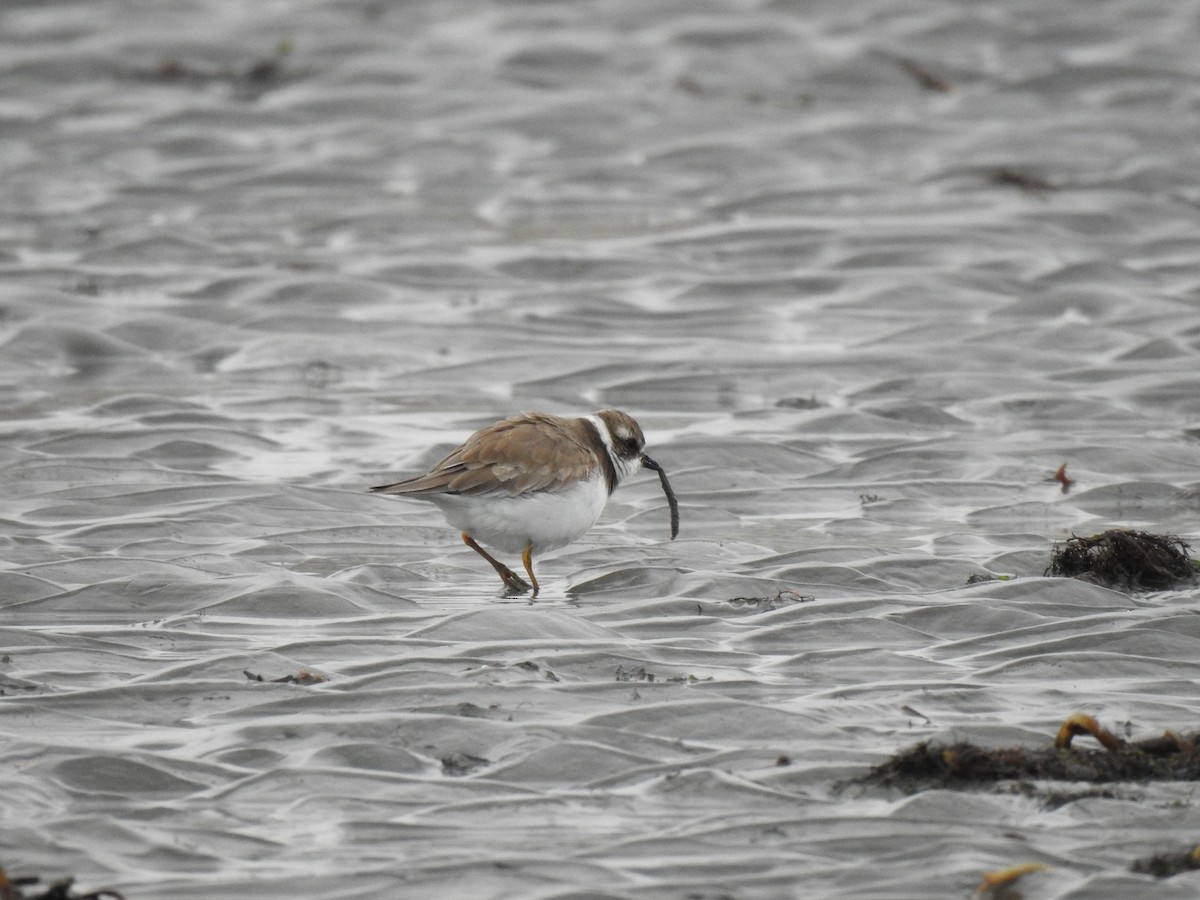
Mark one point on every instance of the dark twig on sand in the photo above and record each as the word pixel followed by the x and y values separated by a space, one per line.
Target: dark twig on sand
pixel 1031 184
pixel 924 77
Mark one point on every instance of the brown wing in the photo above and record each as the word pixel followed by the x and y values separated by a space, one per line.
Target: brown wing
pixel 528 452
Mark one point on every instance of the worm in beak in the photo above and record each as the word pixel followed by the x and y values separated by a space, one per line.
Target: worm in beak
pixel 648 463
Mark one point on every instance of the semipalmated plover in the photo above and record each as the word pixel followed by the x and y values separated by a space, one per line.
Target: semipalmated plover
pixel 534 482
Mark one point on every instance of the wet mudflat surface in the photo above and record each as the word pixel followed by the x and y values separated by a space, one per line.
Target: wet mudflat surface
pixel 866 274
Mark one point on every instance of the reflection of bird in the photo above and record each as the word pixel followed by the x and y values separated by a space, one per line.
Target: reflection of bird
pixel 534 482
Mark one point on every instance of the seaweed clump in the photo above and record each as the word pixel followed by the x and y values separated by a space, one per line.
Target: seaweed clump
pixel 1165 865
pixel 1168 757
pixel 17 889
pixel 1119 557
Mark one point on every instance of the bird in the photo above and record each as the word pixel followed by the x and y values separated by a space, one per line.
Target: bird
pixel 534 482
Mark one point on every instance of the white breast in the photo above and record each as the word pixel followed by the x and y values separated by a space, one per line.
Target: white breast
pixel 550 519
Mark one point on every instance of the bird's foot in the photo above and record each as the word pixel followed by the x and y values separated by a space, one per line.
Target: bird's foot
pixel 513 583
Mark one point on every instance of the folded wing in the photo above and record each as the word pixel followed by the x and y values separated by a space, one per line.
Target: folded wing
pixel 528 452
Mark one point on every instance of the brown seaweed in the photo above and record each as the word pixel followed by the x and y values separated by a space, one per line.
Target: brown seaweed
pixel 1165 865
pixel 1123 558
pixel 1169 757
pixel 15 889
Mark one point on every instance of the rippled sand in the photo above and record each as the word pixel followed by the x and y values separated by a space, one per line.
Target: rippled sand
pixel 257 257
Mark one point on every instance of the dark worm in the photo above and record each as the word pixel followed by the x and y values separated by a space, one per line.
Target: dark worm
pixel 666 486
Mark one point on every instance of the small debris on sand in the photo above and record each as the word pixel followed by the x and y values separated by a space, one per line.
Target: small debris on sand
pixel 303 677
pixel 994 883
pixel 784 597
pixel 1031 184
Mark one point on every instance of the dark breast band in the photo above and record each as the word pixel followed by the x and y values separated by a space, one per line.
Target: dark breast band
pixel 596 444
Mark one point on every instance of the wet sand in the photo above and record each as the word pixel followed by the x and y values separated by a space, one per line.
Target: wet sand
pixel 866 274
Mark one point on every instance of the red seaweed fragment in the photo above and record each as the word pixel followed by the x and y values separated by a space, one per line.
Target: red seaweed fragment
pixel 1060 475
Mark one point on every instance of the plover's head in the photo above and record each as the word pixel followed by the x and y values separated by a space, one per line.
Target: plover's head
pixel 625 441
pixel 626 446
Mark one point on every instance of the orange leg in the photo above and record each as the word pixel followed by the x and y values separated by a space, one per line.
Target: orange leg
pixel 527 558
pixel 511 580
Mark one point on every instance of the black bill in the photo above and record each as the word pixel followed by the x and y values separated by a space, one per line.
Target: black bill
pixel 666 486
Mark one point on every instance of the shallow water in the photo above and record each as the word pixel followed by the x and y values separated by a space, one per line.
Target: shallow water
pixel 229 303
